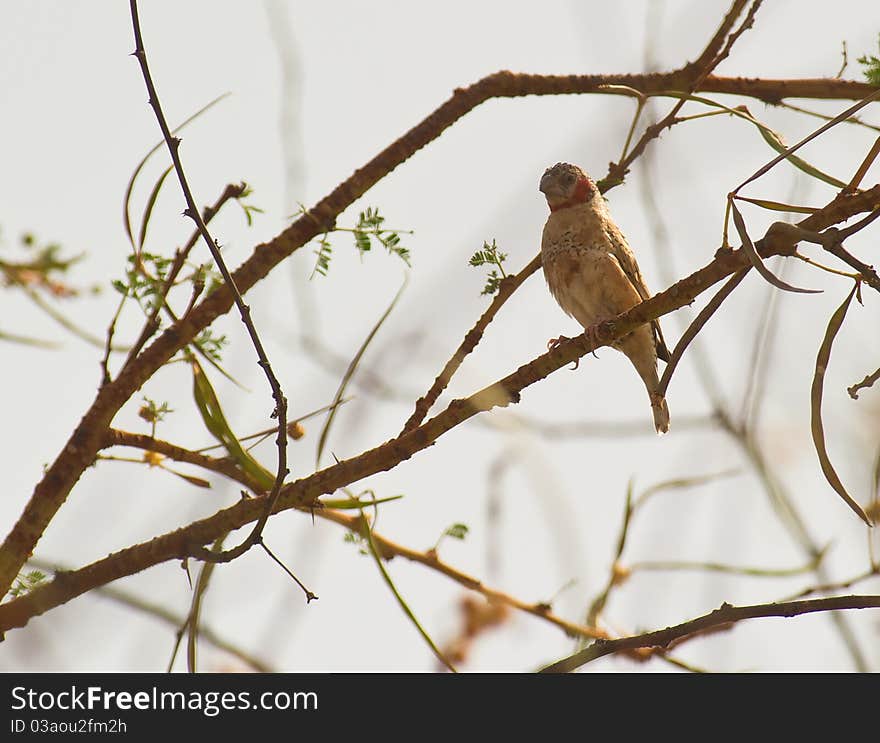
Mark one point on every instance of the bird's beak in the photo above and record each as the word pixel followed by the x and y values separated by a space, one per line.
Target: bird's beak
pixel 545 184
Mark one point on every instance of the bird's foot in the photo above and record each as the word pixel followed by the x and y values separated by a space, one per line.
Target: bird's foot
pixel 554 342
pixel 592 334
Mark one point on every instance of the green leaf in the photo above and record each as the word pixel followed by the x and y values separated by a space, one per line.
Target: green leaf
pixel 456 531
pixel 322 257
pixel 362 241
pixel 775 141
pixel 493 282
pixel 871 66
pixel 490 255
pixel 151 202
pixel 344 504
pixel 215 421
pixel 27 583
pixel 210 344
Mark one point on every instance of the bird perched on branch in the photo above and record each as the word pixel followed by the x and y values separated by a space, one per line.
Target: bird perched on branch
pixel 593 274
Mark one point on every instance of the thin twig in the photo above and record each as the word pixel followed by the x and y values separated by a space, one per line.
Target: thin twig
pixel 232 191
pixel 309 595
pixel 388 549
pixel 863 168
pixel 720 567
pixel 868 381
pixel 350 370
pixel 872 96
pixel 697 325
pixel 696 73
pixel 506 289
pixel 192 211
pixel 841 585
pixel 108 344
pixel 724 616
pixel 851 120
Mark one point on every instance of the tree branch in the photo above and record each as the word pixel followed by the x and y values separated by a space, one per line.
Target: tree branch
pixel 304 492
pixel 721 618
pixel 192 211
pixel 85 441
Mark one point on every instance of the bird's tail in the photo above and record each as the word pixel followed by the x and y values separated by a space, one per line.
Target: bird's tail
pixel 661 413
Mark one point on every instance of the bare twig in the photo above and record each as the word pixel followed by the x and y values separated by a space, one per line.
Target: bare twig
pixel 720 567
pixel 388 549
pixel 506 289
pixel 695 75
pixel 863 168
pixel 841 585
pixel 192 211
pixel 871 96
pixel 724 616
pixel 308 594
pixel 868 381
pixel 697 325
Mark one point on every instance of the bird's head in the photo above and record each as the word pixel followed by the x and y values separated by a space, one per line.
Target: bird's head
pixel 566 185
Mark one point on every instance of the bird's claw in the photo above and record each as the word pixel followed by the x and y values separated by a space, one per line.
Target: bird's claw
pixel 554 342
pixel 592 334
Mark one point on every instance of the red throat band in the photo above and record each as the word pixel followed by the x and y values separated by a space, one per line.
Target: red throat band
pixel 583 192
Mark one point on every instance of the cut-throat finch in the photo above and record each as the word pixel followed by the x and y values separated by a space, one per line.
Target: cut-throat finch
pixel 593 274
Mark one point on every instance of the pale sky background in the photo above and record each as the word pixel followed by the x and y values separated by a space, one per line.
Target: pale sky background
pixel 356 75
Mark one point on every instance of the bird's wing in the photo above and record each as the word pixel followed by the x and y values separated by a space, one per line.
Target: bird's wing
pixel 621 250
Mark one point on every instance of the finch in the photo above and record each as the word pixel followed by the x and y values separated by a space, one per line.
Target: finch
pixel 593 275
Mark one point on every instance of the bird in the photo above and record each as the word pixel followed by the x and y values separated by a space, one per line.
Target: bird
pixel 593 275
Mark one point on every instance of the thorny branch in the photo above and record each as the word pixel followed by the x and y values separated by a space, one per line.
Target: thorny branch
pixel 192 211
pixel 507 287
pixel 80 450
pixel 304 492
pixel 721 618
